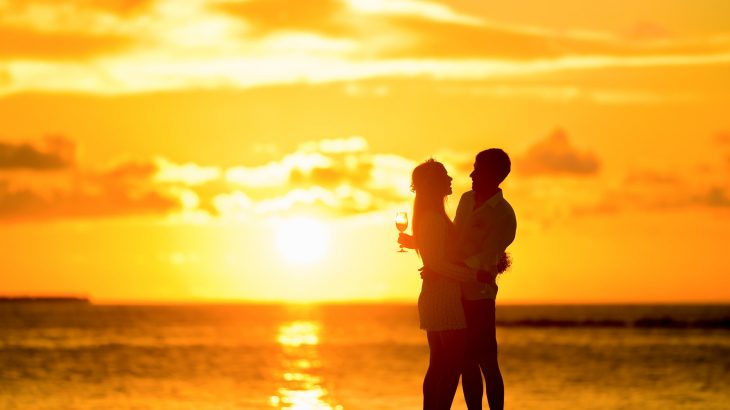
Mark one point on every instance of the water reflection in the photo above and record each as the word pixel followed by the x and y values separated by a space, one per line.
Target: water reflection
pixel 301 381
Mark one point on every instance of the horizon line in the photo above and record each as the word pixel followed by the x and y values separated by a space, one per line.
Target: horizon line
pixel 361 301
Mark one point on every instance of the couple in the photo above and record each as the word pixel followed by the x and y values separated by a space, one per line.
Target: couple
pixel 461 260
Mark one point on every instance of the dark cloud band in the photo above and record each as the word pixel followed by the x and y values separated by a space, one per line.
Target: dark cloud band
pixel 53 153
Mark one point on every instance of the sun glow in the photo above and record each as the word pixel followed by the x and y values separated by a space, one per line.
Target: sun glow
pixel 301 240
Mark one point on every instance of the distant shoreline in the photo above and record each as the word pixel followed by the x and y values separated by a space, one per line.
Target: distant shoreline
pixel 44 299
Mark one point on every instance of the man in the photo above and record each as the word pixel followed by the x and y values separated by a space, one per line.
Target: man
pixel 486 225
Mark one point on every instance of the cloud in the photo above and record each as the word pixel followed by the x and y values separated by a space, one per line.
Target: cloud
pixel 23 43
pixel 25 204
pixel 267 16
pixel 486 39
pixel 716 197
pixel 651 177
pixel 52 153
pixel 123 190
pixel 649 198
pixel 427 10
pixel 340 176
pixel 432 39
pixel 123 7
pixel 723 138
pixel 649 190
pixel 43 180
pixel 71 30
pixel 336 18
pixel 555 155
pixel 130 171
pixel 6 79
pixel 343 200
pixel 190 174
pixel 124 46
pixel 335 177
pixel 647 30
pixel 570 93
pixel 430 30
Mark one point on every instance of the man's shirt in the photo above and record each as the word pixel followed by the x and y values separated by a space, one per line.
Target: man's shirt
pixel 483 235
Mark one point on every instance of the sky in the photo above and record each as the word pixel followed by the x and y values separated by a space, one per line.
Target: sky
pixel 156 151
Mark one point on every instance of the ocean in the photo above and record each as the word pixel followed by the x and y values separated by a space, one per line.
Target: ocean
pixel 334 357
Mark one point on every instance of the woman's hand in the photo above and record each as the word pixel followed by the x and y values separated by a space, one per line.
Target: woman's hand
pixel 406 241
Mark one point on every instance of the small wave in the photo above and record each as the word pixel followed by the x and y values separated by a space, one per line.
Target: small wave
pixel 668 322
pixel 647 322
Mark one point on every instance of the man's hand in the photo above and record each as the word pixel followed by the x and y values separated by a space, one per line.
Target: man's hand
pixel 485 276
pixel 406 241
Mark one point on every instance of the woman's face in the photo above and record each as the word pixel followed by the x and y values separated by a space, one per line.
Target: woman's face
pixel 442 182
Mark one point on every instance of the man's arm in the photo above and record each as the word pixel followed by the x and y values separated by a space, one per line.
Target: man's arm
pixel 499 237
pixel 483 276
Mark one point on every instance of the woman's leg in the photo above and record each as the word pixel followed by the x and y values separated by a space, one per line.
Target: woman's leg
pixel 432 380
pixel 454 342
pixel 447 350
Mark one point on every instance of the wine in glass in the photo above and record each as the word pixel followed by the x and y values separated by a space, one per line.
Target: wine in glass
pixel 401 222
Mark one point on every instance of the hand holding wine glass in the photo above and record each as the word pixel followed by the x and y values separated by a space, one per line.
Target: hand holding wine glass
pixel 401 222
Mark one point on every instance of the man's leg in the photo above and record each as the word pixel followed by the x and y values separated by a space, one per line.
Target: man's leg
pixel 495 386
pixel 471 376
pixel 488 358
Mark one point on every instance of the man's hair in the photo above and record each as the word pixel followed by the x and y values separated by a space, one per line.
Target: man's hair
pixel 496 162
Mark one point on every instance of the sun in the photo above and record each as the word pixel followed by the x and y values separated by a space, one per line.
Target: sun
pixel 302 240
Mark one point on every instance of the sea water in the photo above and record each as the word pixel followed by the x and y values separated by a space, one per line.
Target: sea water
pixel 86 356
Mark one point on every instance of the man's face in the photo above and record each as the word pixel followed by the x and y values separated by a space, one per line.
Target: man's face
pixel 481 179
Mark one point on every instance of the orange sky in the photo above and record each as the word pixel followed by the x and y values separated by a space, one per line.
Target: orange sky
pixel 158 150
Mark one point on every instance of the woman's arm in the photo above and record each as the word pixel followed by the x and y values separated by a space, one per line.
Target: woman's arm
pixel 406 240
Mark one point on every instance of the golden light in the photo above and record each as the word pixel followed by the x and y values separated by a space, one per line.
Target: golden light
pixel 299 333
pixel 302 240
pixel 302 385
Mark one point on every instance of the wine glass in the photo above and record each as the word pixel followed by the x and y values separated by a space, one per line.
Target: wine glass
pixel 401 222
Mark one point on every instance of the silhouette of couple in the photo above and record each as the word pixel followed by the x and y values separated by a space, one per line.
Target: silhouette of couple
pixel 461 260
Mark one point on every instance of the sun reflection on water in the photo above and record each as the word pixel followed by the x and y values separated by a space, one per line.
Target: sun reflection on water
pixel 301 383
pixel 295 334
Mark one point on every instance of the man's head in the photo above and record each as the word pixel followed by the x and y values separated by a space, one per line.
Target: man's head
pixel 490 168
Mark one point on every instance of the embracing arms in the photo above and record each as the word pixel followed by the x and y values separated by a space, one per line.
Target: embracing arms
pixel 432 251
pixel 499 237
pixel 431 245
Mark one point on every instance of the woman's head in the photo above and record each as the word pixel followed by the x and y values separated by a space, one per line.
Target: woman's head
pixel 432 184
pixel 430 179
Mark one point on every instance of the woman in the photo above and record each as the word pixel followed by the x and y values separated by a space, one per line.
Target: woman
pixel 440 310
